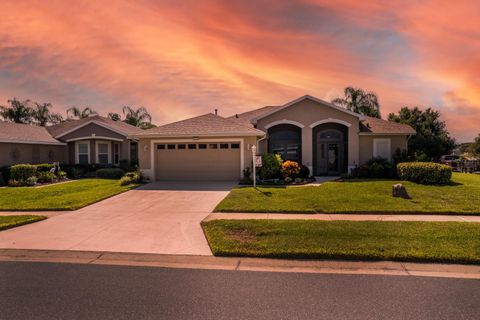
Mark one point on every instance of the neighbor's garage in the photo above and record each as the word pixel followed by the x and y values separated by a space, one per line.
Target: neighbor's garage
pixel 197 161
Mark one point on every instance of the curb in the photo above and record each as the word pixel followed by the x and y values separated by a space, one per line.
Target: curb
pixel 243 264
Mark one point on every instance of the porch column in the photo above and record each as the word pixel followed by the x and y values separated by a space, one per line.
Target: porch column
pixel 307 148
pixel 353 147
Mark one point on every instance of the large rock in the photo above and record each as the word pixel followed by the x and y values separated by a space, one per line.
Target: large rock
pixel 399 190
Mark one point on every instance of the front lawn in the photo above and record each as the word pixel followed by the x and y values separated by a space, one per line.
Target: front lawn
pixel 462 196
pixel 7 222
pixel 65 196
pixel 448 242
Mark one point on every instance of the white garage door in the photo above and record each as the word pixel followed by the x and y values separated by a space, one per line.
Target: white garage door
pixel 197 161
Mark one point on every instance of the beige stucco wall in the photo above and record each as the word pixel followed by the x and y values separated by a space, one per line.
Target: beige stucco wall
pixel 145 150
pixel 31 153
pixel 366 145
pixel 307 112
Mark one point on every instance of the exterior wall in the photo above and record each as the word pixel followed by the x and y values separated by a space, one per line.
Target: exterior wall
pixel 31 153
pixel 308 112
pixel 145 151
pixel 366 145
pixel 91 130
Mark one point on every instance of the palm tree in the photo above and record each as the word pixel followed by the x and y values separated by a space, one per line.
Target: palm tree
pixel 114 116
pixel 42 115
pixel 76 113
pixel 18 111
pixel 138 118
pixel 359 101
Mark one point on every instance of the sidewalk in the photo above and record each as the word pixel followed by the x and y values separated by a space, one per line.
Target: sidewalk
pixel 244 264
pixel 332 217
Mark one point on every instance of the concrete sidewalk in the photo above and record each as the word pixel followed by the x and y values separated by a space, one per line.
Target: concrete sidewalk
pixel 244 264
pixel 333 217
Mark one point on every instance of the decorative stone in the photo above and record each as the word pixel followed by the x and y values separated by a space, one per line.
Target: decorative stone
pixel 399 190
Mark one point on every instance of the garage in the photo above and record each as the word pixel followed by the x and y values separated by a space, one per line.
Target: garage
pixel 191 161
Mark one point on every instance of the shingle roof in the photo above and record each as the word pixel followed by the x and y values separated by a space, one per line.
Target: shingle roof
pixel 61 128
pixel 246 117
pixel 379 126
pixel 205 125
pixel 25 133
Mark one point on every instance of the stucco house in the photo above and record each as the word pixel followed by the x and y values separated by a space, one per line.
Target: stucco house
pixel 89 140
pixel 326 138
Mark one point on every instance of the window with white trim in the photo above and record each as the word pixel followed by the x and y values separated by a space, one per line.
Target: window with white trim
pixel 381 148
pixel 102 152
pixel 83 152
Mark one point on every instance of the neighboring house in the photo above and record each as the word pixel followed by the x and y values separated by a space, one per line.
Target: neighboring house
pixel 86 141
pixel 326 138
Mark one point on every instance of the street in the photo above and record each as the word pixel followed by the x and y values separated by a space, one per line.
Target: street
pixel 75 291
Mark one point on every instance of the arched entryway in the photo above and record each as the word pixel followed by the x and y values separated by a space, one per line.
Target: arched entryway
pixel 286 140
pixel 330 149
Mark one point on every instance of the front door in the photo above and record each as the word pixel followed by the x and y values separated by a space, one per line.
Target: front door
pixel 328 158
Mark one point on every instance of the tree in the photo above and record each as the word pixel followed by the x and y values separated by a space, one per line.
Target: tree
pixel 359 101
pixel 76 113
pixel 474 148
pixel 43 116
pixel 114 116
pixel 138 118
pixel 432 137
pixel 18 111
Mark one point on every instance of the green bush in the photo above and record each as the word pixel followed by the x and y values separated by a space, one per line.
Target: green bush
pixel 22 171
pixel 424 172
pixel 46 176
pixel 44 167
pixel 2 181
pixel 31 181
pixel 109 173
pixel 61 175
pixel 271 166
pixel 304 172
pixel 124 181
pixel 379 167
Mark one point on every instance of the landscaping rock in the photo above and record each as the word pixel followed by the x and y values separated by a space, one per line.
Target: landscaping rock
pixel 399 190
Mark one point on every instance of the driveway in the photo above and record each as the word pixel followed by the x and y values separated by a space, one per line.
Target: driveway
pixel 161 217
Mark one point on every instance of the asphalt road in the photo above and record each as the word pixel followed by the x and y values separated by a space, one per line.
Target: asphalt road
pixel 69 291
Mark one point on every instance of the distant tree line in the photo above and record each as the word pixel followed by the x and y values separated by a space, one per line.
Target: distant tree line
pixel 29 112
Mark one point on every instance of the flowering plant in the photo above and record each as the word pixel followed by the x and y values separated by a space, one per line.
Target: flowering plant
pixel 290 169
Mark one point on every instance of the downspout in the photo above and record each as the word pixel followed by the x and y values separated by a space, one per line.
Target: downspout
pixel 264 137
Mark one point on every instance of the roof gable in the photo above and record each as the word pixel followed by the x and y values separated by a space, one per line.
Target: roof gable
pixel 371 125
pixel 66 127
pixel 305 97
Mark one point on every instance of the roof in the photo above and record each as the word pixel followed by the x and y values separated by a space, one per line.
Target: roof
pixel 68 126
pixel 25 133
pixel 371 125
pixel 204 125
pixel 246 117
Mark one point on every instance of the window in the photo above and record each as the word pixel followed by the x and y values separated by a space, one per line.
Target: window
pixel 202 146
pixel 181 146
pixel 213 146
pixel 286 140
pixel 381 148
pixel 116 153
pixel 223 145
pixel 103 154
pixel 170 146
pixel 134 152
pixel 235 146
pixel 161 147
pixel 192 146
pixel 83 152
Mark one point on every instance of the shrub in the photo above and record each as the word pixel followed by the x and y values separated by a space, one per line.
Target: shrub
pixel 424 172
pixel 16 183
pixel 124 181
pixel 46 176
pixel 44 167
pixel 2 181
pixel 5 170
pixel 304 172
pixel 379 167
pixel 31 181
pixel 131 177
pixel 109 173
pixel 22 171
pixel 290 169
pixel 271 166
pixel 61 175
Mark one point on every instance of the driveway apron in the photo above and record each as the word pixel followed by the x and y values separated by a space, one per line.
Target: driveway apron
pixel 161 217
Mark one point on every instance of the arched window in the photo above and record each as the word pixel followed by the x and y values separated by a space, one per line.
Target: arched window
pixel 286 140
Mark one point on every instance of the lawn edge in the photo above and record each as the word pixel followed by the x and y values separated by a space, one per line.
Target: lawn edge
pixel 35 218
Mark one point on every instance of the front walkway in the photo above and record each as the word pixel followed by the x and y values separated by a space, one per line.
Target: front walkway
pixel 156 218
pixel 332 217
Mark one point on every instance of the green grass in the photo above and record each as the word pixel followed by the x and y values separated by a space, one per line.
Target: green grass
pixel 7 222
pixel 448 242
pixel 462 196
pixel 65 196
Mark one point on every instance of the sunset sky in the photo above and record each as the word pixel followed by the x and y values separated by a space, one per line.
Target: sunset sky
pixel 185 58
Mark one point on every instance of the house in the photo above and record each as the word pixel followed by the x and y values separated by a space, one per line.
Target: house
pixel 89 140
pixel 328 139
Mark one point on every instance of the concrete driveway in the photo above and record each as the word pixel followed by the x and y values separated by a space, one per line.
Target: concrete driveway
pixel 161 217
